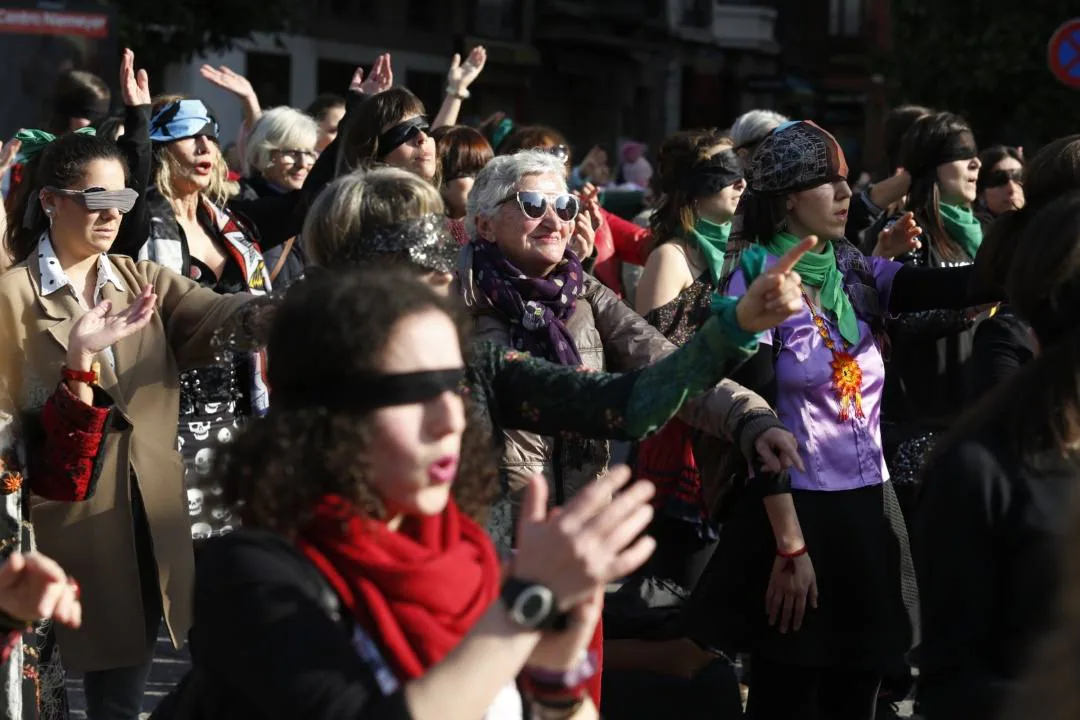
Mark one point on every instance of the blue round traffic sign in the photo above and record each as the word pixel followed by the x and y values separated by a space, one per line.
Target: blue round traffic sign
pixel 1064 53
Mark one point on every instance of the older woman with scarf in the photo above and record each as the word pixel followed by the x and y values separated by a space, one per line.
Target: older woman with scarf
pixel 612 241
pixel 825 372
pixel 526 290
pixel 701 183
pixel 389 218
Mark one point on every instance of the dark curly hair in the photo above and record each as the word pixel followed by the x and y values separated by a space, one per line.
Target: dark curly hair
pixel 674 215
pixel 333 326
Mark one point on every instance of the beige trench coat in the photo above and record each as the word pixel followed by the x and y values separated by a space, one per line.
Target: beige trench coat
pixel 94 540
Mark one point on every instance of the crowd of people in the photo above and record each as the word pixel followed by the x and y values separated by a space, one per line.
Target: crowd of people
pixel 336 404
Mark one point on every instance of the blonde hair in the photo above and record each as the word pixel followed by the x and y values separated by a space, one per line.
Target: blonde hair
pixel 362 200
pixel 220 190
pixel 280 128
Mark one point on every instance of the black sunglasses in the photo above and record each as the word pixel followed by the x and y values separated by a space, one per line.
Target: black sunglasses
pixel 402 133
pixel 1000 178
pixel 535 204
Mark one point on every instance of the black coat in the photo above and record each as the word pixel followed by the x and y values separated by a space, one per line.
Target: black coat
pixel 987 543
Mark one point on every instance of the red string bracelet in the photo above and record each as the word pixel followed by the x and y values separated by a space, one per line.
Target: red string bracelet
pixel 90 377
pixel 791 555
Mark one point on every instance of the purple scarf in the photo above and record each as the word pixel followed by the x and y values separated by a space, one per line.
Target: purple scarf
pixel 537 308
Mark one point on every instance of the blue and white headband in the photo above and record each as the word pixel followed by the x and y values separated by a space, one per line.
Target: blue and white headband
pixel 182 119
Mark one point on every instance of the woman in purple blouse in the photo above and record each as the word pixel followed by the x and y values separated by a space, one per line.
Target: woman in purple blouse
pixel 848 556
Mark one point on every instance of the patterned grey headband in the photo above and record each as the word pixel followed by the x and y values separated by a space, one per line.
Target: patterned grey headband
pixel 424 241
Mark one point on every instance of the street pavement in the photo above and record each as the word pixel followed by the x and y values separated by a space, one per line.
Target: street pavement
pixel 171 664
pixel 168 668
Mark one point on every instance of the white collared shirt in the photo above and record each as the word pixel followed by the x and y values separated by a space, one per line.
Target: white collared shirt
pixel 54 279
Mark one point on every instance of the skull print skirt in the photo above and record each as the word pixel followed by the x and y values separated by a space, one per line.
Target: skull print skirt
pixel 209 416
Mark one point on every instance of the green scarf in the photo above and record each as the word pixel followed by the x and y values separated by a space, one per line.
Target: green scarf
pixel 34 141
pixel 819 270
pixel 962 226
pixel 712 241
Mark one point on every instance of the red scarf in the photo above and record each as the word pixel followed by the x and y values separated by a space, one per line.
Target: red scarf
pixel 416 591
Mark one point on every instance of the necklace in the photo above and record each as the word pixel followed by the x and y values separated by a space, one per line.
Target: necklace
pixel 846 373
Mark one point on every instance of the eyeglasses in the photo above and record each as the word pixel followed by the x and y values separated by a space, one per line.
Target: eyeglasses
pixel 535 204
pixel 1000 178
pixel 97 199
pixel 297 157
pixel 560 151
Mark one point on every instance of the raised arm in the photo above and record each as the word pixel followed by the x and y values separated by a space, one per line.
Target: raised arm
pixel 458 79
pixel 280 217
pixel 241 88
pixel 137 150
pixel 548 399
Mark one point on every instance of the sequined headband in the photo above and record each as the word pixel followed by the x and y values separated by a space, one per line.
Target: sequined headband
pixel 424 241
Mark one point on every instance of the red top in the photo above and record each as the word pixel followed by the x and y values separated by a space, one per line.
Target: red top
pixel 74 432
pixel 619 241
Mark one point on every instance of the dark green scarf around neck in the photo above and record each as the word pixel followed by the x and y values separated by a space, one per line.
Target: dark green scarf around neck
pixel 711 239
pixel 819 270
pixel 962 226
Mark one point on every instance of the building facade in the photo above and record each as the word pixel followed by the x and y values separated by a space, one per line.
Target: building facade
pixel 598 70
pixel 830 53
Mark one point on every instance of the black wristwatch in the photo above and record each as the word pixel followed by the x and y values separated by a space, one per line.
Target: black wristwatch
pixel 530 605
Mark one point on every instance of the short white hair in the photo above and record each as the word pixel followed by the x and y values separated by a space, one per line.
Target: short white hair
pixel 280 128
pixel 500 177
pixel 752 127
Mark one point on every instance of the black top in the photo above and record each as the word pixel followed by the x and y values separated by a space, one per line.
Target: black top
pixel 263 645
pixel 986 544
pixel 1003 344
pixel 929 376
pixel 289 260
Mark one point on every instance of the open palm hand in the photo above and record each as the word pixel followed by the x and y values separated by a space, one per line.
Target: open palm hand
pixel 462 74
pixel 97 329
pixel 135 87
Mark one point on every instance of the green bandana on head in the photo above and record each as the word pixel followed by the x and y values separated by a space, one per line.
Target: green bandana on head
pixel 34 141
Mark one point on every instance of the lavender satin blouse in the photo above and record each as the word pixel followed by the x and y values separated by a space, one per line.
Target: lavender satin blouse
pixel 839 455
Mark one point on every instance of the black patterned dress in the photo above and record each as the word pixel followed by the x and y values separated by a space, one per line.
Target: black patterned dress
pixel 213 404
